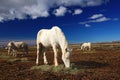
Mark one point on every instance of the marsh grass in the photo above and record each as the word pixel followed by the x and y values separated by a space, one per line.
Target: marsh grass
pixel 9 58
pixel 13 60
pixel 18 59
pixel 4 56
pixel 58 69
pixel 24 60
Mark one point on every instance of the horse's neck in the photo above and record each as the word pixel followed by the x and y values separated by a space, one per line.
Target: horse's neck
pixel 61 39
pixel 63 45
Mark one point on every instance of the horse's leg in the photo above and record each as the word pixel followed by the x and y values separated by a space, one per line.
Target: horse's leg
pixel 14 52
pixel 44 58
pixel 89 48
pixel 55 55
pixel 9 51
pixel 26 50
pixel 63 58
pixel 23 52
pixel 83 48
pixel 39 46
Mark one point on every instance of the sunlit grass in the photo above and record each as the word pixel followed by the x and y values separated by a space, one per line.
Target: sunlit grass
pixel 59 69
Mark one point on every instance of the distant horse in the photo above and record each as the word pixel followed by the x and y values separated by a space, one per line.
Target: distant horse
pixel 86 46
pixel 14 46
pixel 54 38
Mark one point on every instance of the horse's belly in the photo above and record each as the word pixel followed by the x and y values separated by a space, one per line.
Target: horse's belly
pixel 49 43
pixel 46 43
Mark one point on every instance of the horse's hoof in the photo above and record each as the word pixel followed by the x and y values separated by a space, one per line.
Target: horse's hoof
pixel 37 64
pixel 46 63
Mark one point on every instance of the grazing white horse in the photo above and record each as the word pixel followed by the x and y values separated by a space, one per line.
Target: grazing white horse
pixel 14 46
pixel 54 38
pixel 86 46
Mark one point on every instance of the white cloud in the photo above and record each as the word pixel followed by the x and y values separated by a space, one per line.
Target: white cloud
pixel 94 2
pixel 11 9
pixel 35 11
pixel 60 11
pixel 87 25
pixel 96 16
pixel 82 3
pixel 102 19
pixel 1 19
pixel 77 11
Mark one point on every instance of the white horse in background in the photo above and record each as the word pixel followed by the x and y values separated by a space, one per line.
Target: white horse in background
pixel 54 38
pixel 86 46
pixel 14 46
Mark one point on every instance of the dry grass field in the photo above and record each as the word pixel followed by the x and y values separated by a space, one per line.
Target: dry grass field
pixel 101 63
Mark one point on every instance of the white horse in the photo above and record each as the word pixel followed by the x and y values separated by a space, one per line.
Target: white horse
pixel 86 46
pixel 14 46
pixel 54 38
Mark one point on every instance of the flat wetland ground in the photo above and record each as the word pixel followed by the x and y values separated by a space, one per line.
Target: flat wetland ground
pixel 101 63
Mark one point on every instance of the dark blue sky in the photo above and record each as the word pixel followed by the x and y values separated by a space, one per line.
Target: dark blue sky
pixel 81 27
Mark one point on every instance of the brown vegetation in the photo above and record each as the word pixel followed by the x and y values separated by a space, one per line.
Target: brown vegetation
pixel 101 63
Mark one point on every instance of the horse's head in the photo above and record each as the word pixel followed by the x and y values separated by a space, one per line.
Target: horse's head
pixel 11 45
pixel 66 58
pixel 68 52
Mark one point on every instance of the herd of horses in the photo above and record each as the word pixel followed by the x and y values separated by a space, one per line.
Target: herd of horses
pixel 47 38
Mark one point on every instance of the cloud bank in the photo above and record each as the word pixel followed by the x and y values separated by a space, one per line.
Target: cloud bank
pixel 21 9
pixel 97 18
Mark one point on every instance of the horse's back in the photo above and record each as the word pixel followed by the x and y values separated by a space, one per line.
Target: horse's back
pixel 48 33
pixel 53 31
pixel 43 36
pixel 19 44
pixel 49 36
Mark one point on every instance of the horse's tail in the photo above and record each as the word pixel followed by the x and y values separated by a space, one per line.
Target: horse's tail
pixel 40 47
